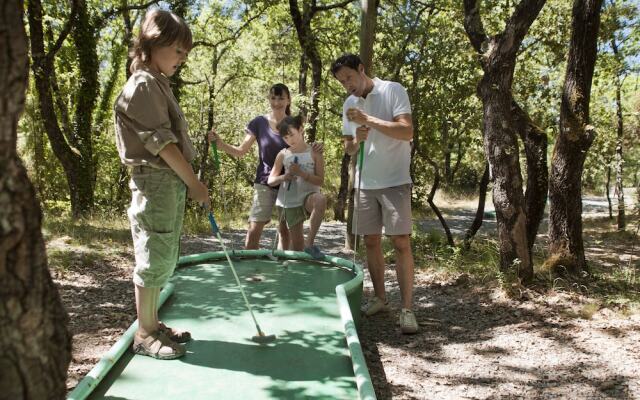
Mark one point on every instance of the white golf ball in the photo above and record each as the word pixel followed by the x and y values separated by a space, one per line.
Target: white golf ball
pixel 285 264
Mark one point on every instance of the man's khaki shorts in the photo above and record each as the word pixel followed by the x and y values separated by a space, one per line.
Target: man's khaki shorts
pixel 155 214
pixel 389 208
pixel 264 199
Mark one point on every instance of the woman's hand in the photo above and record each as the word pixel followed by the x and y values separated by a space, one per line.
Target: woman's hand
pixel 213 136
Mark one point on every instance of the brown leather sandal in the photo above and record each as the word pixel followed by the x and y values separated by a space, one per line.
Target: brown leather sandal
pixel 157 345
pixel 176 335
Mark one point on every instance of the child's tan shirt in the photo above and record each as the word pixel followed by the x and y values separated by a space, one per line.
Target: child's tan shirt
pixel 147 118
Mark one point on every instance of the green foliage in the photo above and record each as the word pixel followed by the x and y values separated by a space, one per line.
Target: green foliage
pixel 242 47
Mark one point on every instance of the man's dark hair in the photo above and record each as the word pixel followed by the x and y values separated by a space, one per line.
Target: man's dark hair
pixel 346 60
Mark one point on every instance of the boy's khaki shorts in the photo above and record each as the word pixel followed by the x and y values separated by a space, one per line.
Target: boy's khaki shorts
pixel 389 208
pixel 264 199
pixel 155 214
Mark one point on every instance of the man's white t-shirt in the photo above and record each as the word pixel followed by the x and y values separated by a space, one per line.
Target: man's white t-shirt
pixel 386 160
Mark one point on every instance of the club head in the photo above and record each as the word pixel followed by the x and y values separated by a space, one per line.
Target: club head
pixel 261 338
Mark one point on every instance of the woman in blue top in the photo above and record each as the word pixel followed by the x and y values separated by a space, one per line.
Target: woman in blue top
pixel 263 130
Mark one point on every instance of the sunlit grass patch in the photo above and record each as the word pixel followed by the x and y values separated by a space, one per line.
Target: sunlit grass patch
pixel 63 260
pixel 99 228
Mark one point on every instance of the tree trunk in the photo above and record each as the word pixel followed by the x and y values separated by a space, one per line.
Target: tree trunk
pixel 607 188
pixel 498 59
pixel 436 210
pixel 447 149
pixel 566 247
pixel 303 71
pixel 477 221
pixel 306 38
pixel 122 188
pixel 619 164
pixel 368 20
pixel 535 147
pixel 35 346
pixel 85 38
pixel 74 149
pixel 341 200
pixel 180 8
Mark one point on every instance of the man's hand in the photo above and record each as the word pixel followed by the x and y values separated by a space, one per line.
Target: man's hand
pixel 362 133
pixel 357 116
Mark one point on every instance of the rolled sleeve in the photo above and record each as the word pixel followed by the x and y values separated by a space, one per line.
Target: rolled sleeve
pixel 147 107
pixel 155 140
pixel 400 100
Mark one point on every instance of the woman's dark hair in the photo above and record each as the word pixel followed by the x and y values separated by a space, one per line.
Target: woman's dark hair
pixel 346 60
pixel 280 89
pixel 289 122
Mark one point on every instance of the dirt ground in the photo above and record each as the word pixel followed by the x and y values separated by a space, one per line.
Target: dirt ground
pixel 474 341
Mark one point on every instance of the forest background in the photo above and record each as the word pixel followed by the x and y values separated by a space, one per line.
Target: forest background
pixel 241 48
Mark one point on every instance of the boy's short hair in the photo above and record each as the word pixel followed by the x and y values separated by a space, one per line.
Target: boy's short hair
pixel 159 28
pixel 348 60
pixel 289 122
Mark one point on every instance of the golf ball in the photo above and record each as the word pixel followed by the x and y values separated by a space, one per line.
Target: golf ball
pixel 285 264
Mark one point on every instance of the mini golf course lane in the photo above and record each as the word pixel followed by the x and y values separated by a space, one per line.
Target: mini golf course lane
pixel 309 358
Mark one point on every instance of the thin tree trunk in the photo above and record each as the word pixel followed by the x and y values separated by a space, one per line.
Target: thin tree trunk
pixel 368 18
pixel 436 210
pixel 607 188
pixel 566 247
pixel 180 8
pixel 35 346
pixel 482 196
pixel 498 60
pixel 619 163
pixel 368 22
pixel 619 158
pixel 122 189
pixel 303 71
pixel 341 200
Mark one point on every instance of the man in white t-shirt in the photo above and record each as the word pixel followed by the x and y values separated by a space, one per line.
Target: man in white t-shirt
pixel 378 113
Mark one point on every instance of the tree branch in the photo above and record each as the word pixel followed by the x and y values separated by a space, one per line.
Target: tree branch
pixel 519 23
pixel 48 58
pixel 342 4
pixel 234 35
pixel 473 24
pixel 115 11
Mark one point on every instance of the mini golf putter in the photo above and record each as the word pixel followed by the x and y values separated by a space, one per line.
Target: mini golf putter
pixel 260 338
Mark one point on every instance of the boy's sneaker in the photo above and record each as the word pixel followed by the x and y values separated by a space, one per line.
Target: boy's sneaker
pixel 375 306
pixel 314 252
pixel 408 323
